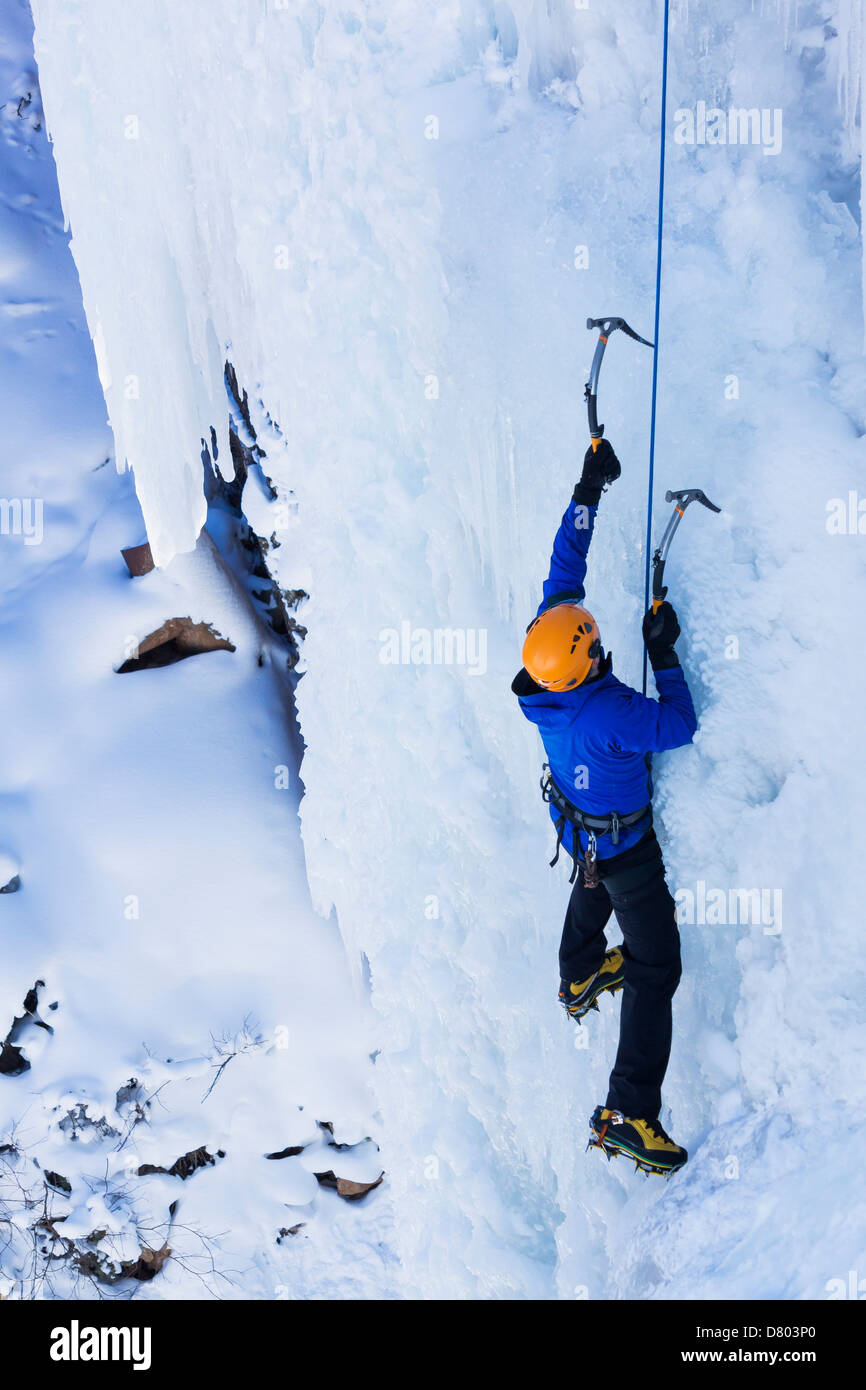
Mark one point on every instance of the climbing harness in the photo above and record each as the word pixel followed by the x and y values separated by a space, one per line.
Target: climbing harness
pixel 592 826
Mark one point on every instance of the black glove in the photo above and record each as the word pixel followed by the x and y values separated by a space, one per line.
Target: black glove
pixel 599 468
pixel 660 632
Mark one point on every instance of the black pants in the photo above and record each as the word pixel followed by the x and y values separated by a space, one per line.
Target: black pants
pixel 633 887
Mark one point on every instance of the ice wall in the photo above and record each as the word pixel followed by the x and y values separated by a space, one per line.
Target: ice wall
pixel 395 222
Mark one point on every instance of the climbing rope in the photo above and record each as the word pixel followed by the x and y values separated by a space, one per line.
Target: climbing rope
pixel 652 449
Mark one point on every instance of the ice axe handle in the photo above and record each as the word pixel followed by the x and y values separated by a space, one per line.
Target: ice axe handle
pixel 660 590
pixel 596 431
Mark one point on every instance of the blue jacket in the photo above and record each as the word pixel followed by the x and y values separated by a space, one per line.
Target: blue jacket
pixel 598 737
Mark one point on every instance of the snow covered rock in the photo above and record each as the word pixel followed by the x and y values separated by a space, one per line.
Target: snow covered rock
pixel 10 878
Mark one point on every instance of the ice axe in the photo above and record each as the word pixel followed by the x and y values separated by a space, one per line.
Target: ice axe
pixel 605 328
pixel 681 500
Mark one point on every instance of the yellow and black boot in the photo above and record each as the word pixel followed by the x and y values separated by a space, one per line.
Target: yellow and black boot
pixel 643 1140
pixel 578 999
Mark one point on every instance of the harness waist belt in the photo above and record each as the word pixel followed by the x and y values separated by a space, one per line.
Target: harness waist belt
pixel 611 824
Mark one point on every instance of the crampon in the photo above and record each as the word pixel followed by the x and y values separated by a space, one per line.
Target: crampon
pixel 578 999
pixel 644 1141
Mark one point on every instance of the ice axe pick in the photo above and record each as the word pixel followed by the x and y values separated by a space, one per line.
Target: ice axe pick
pixel 605 327
pixel 681 500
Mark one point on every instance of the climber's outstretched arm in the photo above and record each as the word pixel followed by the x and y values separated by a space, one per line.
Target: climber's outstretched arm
pixel 567 571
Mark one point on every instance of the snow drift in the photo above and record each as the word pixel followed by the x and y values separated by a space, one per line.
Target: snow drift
pixel 164 1000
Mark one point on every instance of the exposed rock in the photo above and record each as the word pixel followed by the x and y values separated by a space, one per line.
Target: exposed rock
pixel 243 549
pixel 57 1181
pixel 177 639
pixel 289 1231
pixel 138 559
pixel 77 1121
pixel 290 1152
pixel 184 1166
pixel 12 1059
pixel 99 1265
pixel 10 878
pixel 327 1128
pixel 129 1093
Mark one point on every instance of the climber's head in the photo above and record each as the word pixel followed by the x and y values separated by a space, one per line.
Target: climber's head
pixel 562 647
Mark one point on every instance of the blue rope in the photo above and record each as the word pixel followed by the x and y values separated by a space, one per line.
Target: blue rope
pixel 652 450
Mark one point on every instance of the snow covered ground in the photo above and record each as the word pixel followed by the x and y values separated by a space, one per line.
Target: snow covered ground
pixel 153 820
pixel 394 222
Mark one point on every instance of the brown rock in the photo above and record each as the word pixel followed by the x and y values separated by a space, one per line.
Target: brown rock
pixel 138 559
pixel 353 1190
pixel 184 1166
pixel 176 639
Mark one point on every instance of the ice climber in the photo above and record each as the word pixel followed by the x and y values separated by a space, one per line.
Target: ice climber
pixel 598 735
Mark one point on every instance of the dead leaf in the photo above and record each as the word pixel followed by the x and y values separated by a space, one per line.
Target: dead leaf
pixel 345 1187
pixel 149 1263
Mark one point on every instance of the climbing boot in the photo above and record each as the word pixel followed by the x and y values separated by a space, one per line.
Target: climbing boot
pixel 578 999
pixel 645 1141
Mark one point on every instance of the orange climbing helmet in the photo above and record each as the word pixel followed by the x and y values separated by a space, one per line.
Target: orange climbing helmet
pixel 560 646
